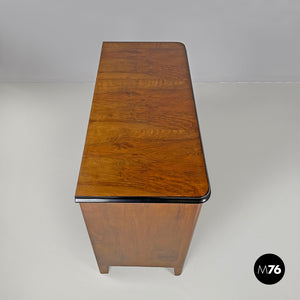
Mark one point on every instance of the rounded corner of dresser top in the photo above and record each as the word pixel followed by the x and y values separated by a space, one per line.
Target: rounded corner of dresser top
pixel 77 199
pixel 205 198
pixel 180 44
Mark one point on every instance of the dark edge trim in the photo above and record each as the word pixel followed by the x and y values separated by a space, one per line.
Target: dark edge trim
pixel 134 199
pixel 200 138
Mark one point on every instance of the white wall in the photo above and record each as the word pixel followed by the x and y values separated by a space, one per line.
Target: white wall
pixel 233 40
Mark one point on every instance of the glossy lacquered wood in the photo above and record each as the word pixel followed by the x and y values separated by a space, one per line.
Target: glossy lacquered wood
pixel 140 234
pixel 143 137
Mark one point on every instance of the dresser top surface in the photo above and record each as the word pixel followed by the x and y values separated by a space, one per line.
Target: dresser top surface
pixel 143 141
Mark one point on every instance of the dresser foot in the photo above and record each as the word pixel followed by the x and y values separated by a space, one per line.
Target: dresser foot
pixel 177 271
pixel 103 269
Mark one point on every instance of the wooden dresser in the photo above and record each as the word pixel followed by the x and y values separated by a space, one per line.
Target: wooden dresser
pixel 143 177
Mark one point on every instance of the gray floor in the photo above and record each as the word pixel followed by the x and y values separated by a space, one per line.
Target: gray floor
pixel 252 145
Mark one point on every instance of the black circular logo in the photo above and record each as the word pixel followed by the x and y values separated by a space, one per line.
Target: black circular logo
pixel 269 268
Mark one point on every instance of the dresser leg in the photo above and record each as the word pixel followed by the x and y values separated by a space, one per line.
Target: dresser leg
pixel 177 271
pixel 103 269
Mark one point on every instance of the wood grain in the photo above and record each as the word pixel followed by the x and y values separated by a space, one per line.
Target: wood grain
pixel 140 234
pixel 143 137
